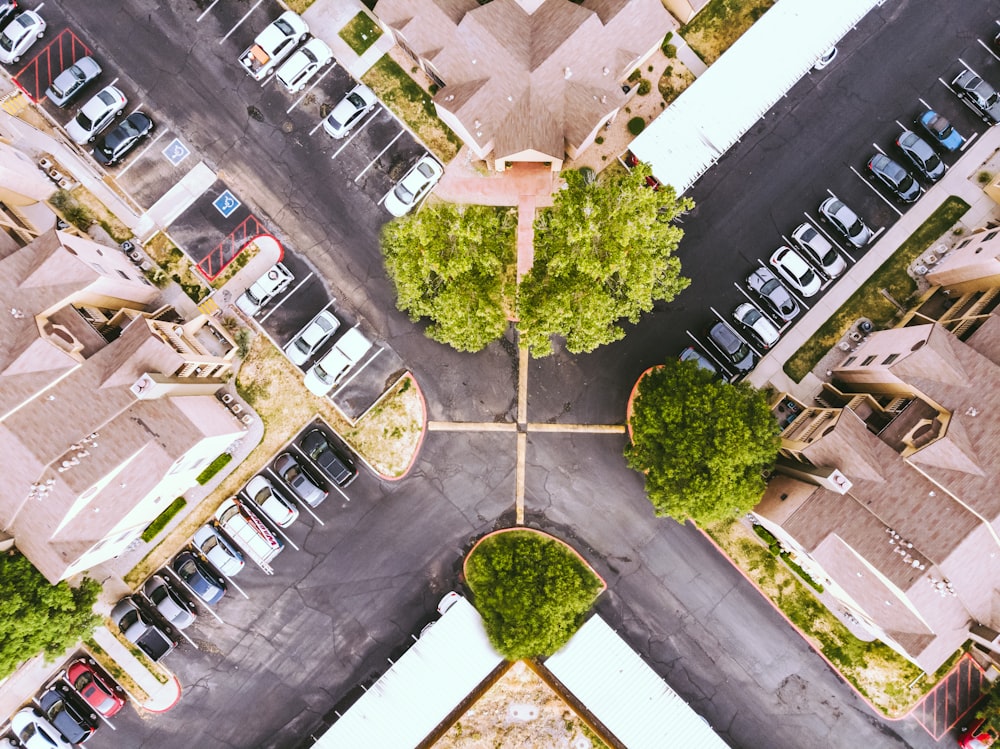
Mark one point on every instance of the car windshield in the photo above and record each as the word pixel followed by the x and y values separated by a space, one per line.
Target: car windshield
pixel 6 42
pixel 56 709
pixel 855 227
pixel 751 317
pixel 284 27
pixel 830 258
pixel 262 496
pixel 404 195
pixel 107 98
pixel 210 543
pixel 355 99
pixel 807 278
pixel 770 288
pixel 84 121
pixel 939 126
pixel 187 569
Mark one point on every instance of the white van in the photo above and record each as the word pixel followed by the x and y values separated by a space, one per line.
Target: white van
pixel 249 532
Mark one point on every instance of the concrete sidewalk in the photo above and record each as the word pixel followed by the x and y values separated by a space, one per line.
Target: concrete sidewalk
pixel 960 180
pixel 327 17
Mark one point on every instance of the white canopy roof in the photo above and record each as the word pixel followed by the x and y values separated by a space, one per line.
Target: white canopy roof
pixel 714 112
pixel 422 688
pixel 602 671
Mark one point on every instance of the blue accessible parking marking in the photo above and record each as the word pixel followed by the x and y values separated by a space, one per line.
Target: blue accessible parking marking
pixel 176 152
pixel 226 204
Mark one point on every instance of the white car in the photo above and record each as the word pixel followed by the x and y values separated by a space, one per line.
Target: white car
pixel 19 35
pixel 223 556
pixel 328 371
pixel 261 494
pixel 818 249
pixel 70 82
pixel 264 289
pixel 415 184
pixel 796 271
pixel 356 104
pixel 312 337
pixel 35 732
pixel 96 114
pixel 299 69
pixel 757 324
pixel 274 44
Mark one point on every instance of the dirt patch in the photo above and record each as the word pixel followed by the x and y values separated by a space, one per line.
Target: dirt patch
pixel 520 710
pixel 720 23
pixel 676 77
pixel 177 266
pixel 389 434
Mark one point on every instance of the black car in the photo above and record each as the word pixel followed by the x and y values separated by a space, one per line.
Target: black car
pixel 733 349
pixel 333 462
pixel 115 145
pixel 206 583
pixel 895 177
pixel 71 717
pixel 919 153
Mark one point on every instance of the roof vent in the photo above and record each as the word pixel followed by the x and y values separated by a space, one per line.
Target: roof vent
pixel 567 74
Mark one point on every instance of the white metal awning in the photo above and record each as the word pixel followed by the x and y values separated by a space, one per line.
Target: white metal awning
pixel 714 112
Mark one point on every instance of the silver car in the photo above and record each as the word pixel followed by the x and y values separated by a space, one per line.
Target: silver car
pixel 773 295
pixel 170 604
pixel 70 82
pixel 356 103
pixel 980 95
pixel 846 221
pixel 818 249
pixel 303 484
pixel 19 35
pixel 96 114
pixel 262 494
pixel 223 556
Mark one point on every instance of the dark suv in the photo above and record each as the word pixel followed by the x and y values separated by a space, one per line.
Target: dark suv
pixel 735 352
pixel 333 462
pixel 71 717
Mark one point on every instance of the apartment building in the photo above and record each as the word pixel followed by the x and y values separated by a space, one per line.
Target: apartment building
pixel 107 405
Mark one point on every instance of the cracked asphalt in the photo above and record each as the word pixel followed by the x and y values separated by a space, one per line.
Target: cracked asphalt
pixel 362 584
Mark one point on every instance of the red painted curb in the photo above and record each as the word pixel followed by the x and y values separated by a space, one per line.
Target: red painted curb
pixel 423 433
pixel 172 704
pixel 631 398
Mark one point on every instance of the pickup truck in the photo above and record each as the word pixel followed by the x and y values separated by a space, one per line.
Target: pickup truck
pixel 274 44
pixel 139 628
pixel 249 532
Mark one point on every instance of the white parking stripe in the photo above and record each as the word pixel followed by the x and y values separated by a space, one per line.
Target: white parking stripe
pixel 356 133
pixel 968 67
pixel 309 90
pixel 240 22
pixel 206 11
pixel 300 503
pixel 141 153
pixel 968 141
pixel 704 350
pixel 925 103
pixel 370 163
pixel 356 372
pixel 876 191
pixel 286 297
pixel 878 148
pixel 987 48
pixel 136 109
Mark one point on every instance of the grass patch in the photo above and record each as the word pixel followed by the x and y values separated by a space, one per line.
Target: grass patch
pixel 237 264
pixel 176 265
pixel 299 6
pixel 390 432
pixel 776 551
pixel 886 678
pixel 867 301
pixel 413 105
pixel 71 210
pixel 360 32
pixel 161 520
pixel 213 468
pixel 720 23
pixel 676 77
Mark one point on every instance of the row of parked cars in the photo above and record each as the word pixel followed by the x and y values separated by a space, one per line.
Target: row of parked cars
pixel 69 710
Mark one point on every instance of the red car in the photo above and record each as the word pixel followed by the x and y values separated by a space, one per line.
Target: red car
pixel 973 737
pixel 95 688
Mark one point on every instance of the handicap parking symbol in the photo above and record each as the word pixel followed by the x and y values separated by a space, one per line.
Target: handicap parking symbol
pixel 176 152
pixel 226 204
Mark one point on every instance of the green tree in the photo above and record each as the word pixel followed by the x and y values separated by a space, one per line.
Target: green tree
pixel 989 711
pixel 702 443
pixel 454 264
pixel 36 617
pixel 531 591
pixel 603 253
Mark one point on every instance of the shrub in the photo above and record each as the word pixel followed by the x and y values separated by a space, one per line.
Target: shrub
pixel 213 468
pixel 153 529
pixel 670 51
pixel 636 125
pixel 599 139
pixel 635 75
pixel 644 87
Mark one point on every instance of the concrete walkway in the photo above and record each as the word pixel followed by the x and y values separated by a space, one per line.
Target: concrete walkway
pixel 960 180
pixel 327 17
pixel 688 56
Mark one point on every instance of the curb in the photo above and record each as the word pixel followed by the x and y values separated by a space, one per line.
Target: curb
pixel 631 399
pixel 423 433
pixel 176 699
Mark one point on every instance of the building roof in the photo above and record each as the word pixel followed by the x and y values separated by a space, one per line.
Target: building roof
pixel 527 76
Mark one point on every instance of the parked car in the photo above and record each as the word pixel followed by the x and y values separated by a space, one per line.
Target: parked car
pixel 756 323
pixel 693 354
pixel 169 602
pixel 826 58
pixel 306 487
pixel 891 174
pixel 773 295
pixel 97 690
pixel 250 532
pixel 217 549
pixel 796 271
pixel 973 736
pixel 325 374
pixel 34 731
pixel 734 350
pixel 919 153
pixel 73 719
pixel 335 463
pixel 18 35
pixel 70 83
pixel 298 70
pixel 980 95
pixel 941 130
pixel 195 571
pixel 846 221
pixel 96 114
pixel 8 9
pixel 311 338
pixel 264 289
pixel 116 145
pixel 263 496
pixel 348 112
pixel 818 250
pixel 414 185
pixel 139 629
pixel 274 44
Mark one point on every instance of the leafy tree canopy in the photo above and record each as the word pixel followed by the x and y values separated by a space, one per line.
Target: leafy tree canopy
pixel 531 591
pixel 703 444
pixel 603 253
pixel 454 264
pixel 989 711
pixel 37 617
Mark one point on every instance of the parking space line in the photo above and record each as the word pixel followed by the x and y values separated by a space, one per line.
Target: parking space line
pixel 309 90
pixel 876 191
pixel 136 109
pixel 704 349
pixel 879 148
pixel 141 153
pixel 303 505
pixel 969 67
pixel 987 48
pixel 175 576
pixel 358 371
pixel 286 297
pixel 183 634
pixel 355 134
pixel 206 11
pixel 739 333
pixel 240 22
pixel 370 163
pixel 788 287
pixel 968 141
pixel 901 125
